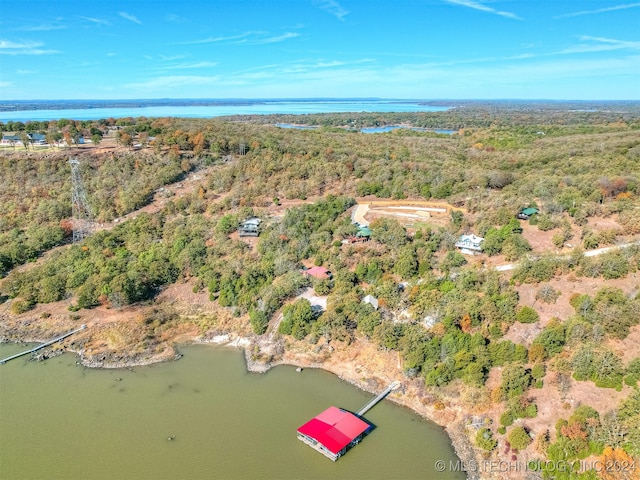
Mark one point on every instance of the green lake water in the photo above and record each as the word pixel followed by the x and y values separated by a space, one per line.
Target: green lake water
pixel 62 421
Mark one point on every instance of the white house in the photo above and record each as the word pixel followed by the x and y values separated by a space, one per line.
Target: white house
pixel 469 244
pixel 371 300
pixel 250 227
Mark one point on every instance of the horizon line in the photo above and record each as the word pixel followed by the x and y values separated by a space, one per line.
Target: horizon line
pixel 277 99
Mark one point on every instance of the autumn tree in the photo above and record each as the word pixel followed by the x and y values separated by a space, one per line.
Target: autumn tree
pixel 617 465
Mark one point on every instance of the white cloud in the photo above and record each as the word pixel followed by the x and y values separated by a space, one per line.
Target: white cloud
pixel 332 7
pixel 613 41
pixel 6 84
pixel 217 39
pixel 246 38
pixel 97 21
pixel 44 27
pixel 483 8
pixel 8 44
pixel 8 47
pixel 131 18
pixel 599 10
pixel 599 44
pixel 26 72
pixel 170 58
pixel 276 39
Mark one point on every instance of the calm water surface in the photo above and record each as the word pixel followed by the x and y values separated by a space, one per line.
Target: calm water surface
pixel 218 110
pixel 62 421
pixel 389 128
pixel 384 129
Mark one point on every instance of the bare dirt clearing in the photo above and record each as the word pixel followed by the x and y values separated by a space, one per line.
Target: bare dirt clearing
pixel 407 212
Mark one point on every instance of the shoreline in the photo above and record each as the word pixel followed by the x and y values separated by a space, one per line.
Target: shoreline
pixel 460 442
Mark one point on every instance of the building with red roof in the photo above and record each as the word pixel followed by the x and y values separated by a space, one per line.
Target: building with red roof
pixel 333 432
pixel 318 272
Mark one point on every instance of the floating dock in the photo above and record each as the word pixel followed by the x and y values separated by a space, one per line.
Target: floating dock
pixel 46 344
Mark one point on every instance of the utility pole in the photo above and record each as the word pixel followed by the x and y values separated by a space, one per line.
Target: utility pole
pixel 82 219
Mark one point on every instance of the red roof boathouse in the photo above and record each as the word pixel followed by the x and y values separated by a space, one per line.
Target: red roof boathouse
pixel 333 432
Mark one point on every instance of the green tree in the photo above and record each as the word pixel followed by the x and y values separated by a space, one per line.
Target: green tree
pixel 297 319
pixel 25 139
pixel 389 232
pixel 515 380
pixel 526 314
pixel 552 338
pixel 227 224
pixel 485 440
pixel 632 372
pixel 519 438
pixel 259 321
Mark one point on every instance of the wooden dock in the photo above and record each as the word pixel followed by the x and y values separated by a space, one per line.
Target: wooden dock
pixel 373 402
pixel 46 344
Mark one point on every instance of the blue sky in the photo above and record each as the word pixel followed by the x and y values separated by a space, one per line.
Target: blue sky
pixel 431 49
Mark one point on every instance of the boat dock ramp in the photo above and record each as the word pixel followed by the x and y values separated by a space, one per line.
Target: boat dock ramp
pixel 46 344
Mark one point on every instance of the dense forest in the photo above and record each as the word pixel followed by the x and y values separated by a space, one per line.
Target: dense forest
pixel 446 314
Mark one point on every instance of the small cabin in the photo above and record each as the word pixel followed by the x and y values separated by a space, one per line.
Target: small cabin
pixel 371 300
pixel 363 235
pixel 527 213
pixel 364 232
pixel 318 272
pixel 37 138
pixel 470 244
pixel 11 139
pixel 249 227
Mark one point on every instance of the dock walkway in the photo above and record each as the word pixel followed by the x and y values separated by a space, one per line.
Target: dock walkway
pixel 372 403
pixel 46 344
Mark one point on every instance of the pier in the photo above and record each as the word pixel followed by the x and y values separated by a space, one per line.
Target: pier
pixel 46 344
pixel 372 403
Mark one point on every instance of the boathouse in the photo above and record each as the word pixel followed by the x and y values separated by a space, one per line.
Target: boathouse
pixel 333 432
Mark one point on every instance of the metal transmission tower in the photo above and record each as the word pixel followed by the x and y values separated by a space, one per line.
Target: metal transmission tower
pixel 82 219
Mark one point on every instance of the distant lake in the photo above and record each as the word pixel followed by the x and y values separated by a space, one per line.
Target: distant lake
pixel 389 128
pixel 296 127
pixel 209 111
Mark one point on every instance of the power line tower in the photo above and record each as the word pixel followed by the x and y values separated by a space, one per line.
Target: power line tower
pixel 82 219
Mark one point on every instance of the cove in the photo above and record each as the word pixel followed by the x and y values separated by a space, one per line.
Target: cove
pixel 201 417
